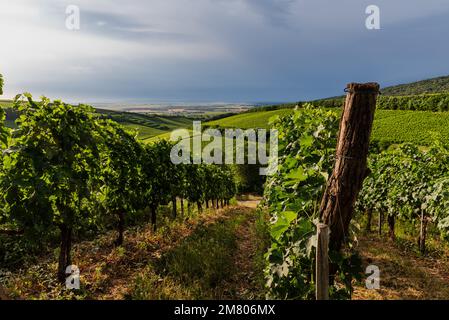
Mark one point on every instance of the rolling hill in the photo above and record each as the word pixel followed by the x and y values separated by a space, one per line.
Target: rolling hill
pixel 425 95
pixel 433 85
pixel 147 125
pixel 390 126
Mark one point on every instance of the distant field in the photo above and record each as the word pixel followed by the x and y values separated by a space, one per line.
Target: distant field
pixel 249 120
pixel 151 126
pixel 5 103
pixel 144 132
pixel 410 126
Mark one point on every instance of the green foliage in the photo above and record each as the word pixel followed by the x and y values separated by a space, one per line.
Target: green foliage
pixel 248 178
pixel 147 126
pixel 3 130
pixel 434 85
pixel 390 126
pixel 51 168
pixel 417 127
pixel 158 172
pixel 307 140
pixel 67 170
pixel 1 84
pixel 121 168
pixel 407 182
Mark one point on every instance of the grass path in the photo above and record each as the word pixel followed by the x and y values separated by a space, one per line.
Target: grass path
pixel 217 261
pixel 247 282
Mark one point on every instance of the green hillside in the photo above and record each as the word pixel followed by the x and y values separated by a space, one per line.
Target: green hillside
pixel 390 126
pixel 248 120
pixel 434 85
pixel 422 87
pixel 426 95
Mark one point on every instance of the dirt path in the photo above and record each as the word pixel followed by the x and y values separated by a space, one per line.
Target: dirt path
pixel 247 283
pixel 249 204
pixel 404 274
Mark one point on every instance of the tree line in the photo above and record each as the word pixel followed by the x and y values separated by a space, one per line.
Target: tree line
pixel 435 102
pixel 423 102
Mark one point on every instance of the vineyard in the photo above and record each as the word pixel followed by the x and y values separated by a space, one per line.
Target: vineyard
pixel 390 126
pixel 407 185
pixel 80 188
pixel 69 174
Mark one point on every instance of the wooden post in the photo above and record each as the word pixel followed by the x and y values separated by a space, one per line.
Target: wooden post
pixel 369 217
pixel 322 262
pixel 391 224
pixel 350 169
pixel 380 223
pixel 422 233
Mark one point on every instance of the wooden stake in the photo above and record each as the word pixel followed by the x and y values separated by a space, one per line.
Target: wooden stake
pixel 380 223
pixel 350 169
pixel 322 262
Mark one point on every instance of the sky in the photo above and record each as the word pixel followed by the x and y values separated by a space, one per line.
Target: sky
pixel 217 50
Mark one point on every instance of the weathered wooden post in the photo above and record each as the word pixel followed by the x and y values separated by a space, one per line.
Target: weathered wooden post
pixel 350 169
pixel 422 233
pixel 322 263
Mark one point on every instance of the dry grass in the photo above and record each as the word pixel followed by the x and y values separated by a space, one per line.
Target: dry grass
pixel 404 273
pixel 109 272
pixel 106 271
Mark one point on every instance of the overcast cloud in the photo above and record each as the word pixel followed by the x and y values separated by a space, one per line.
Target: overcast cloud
pixel 217 50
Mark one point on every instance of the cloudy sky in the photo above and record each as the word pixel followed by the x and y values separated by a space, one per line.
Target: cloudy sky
pixel 217 50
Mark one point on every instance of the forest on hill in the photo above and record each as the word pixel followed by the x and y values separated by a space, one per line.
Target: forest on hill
pixel 433 85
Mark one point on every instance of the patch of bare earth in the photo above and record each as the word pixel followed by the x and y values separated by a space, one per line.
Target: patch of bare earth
pixel 403 273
